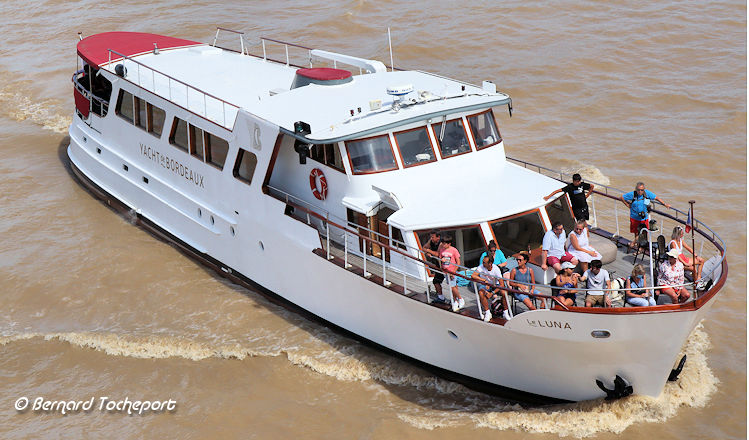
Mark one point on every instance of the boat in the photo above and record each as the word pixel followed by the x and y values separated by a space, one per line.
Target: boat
pixel 318 184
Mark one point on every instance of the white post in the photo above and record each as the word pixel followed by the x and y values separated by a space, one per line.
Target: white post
pixel 405 287
pixel 507 303
pixel 650 244
pixel 264 57
pixel 287 53
pixel 426 281
pixel 385 282
pixel 616 217
pixel 390 44
pixel 478 301
pixel 366 274
pixel 241 42
pixel 345 251
pixel 327 236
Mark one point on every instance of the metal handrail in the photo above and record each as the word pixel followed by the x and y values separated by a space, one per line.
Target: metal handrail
pixel 348 229
pixel 223 102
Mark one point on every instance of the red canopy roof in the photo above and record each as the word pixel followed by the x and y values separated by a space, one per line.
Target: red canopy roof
pixel 94 49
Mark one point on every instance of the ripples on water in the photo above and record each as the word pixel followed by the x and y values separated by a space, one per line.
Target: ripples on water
pixel 665 79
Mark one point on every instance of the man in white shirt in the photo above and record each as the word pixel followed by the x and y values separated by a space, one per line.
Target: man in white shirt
pixel 552 249
pixel 488 272
pixel 595 277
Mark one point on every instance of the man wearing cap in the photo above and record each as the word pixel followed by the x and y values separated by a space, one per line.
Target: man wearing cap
pixel 638 203
pixel 594 278
pixel 578 196
pixel 552 248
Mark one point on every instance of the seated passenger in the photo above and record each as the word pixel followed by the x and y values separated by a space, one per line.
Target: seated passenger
pixel 596 278
pixel 488 272
pixel 671 276
pixel 567 283
pixel 640 297
pixel 524 274
pixel 580 246
pixel 677 242
pixel 552 249
pixel 498 258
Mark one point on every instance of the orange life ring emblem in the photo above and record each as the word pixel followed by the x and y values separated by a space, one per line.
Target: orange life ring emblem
pixel 320 192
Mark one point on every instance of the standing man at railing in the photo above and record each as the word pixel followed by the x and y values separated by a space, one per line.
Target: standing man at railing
pixel 432 251
pixel 579 193
pixel 639 206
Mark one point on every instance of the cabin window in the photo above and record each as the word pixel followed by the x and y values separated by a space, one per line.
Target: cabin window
pixel 371 155
pixel 244 167
pixel 415 147
pixel 328 154
pixel 398 238
pixel 157 117
pixel 484 130
pixel 196 142
pixel 453 139
pixel 141 113
pixel 178 138
pixel 125 106
pixel 559 211
pixel 217 149
pixel 519 233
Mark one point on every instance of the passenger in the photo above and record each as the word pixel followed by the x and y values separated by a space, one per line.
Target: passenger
pixel 671 275
pixel 524 274
pixel 498 257
pixel 677 242
pixel 595 278
pixel 638 203
pixel 567 282
pixel 431 249
pixel 450 262
pixel 488 272
pixel 576 190
pixel 641 297
pixel 580 245
pixel 552 249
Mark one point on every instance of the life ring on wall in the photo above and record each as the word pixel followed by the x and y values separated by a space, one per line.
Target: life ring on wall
pixel 320 192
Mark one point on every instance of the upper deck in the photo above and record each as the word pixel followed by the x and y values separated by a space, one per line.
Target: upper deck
pixel 181 69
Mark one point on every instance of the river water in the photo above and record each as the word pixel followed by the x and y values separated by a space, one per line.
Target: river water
pixel 92 306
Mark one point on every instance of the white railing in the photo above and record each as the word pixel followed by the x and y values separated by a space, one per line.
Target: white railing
pixel 178 92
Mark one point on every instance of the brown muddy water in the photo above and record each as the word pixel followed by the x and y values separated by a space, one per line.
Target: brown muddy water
pixel 92 306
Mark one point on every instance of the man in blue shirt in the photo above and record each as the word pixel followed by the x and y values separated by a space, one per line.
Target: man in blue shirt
pixel 639 208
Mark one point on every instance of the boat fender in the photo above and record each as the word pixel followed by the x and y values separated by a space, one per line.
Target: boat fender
pixel 621 388
pixel 320 192
pixel 676 371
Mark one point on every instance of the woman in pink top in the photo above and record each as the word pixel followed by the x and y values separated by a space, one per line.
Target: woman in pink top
pixel 450 261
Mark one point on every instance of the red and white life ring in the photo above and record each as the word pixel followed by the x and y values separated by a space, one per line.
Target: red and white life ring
pixel 320 192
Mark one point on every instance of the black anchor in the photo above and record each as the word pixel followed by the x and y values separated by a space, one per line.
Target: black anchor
pixel 676 371
pixel 621 388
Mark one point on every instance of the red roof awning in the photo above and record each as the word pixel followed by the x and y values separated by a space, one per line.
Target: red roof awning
pixel 94 49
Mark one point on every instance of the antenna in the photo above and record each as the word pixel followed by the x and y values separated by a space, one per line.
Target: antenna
pixel 390 43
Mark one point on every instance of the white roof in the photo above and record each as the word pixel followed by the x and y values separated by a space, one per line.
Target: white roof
pixel 262 88
pixel 470 189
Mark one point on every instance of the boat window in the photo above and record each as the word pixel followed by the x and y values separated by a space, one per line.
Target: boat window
pixel 125 106
pixel 328 154
pixel 484 130
pixel 141 113
pixel 178 136
pixel 398 238
pixel 216 149
pixel 156 116
pixel 519 233
pixel 454 140
pixel 559 210
pixel 371 155
pixel 244 167
pixel 196 142
pixel 468 240
pixel 415 147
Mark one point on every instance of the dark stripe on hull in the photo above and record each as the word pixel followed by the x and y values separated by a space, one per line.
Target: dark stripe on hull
pixel 238 278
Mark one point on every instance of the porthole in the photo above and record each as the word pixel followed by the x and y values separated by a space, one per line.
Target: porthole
pixel 600 333
pixel 145 179
pixel 233 232
pixel 262 246
pixel 124 167
pixel 98 150
pixel 213 221
pixel 452 334
pixel 200 213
